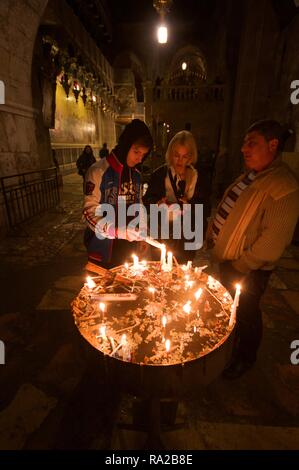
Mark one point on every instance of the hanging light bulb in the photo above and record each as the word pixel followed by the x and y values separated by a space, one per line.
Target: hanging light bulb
pixel 162 7
pixel 162 34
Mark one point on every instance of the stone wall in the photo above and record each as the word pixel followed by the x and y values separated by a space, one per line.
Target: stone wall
pixel 268 62
pixel 18 147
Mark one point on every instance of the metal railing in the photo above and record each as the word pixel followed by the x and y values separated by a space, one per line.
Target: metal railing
pixel 28 194
pixel 188 93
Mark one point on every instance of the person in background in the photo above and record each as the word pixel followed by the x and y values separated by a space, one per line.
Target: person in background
pixel 104 152
pixel 178 182
pixel 85 160
pixel 253 225
pixel 109 179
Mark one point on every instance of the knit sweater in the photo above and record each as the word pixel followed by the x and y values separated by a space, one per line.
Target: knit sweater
pixel 262 222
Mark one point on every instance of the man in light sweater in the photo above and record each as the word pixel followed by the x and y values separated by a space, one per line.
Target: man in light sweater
pixel 253 225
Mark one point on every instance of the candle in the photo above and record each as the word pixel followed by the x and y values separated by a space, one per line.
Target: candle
pixel 153 242
pixel 103 332
pixel 102 307
pixel 152 290
pixel 187 307
pixel 112 343
pixel 198 293
pixel 188 284
pixel 167 345
pixel 169 260
pixel 126 353
pixel 235 305
pixel 90 283
pixel 210 282
pixel 163 255
pixel 135 262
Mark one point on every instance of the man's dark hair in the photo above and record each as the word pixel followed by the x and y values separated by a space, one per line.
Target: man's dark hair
pixel 270 129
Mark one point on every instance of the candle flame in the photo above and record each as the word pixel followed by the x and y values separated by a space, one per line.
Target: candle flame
pixel 167 345
pixel 238 288
pixel 152 290
pixel 123 339
pixel 164 321
pixel 194 329
pixel 198 293
pixel 127 265
pixel 90 283
pixel 189 284
pixel 187 307
pixel 102 306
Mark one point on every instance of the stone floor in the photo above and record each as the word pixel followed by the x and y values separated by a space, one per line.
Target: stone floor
pixel 53 393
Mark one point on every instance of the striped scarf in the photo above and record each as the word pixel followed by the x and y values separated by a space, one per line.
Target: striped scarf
pixel 229 202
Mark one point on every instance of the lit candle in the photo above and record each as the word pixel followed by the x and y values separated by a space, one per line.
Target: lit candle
pixel 188 284
pixel 152 290
pixel 164 321
pixel 135 262
pixel 127 265
pixel 235 305
pixel 102 307
pixel 167 345
pixel 210 282
pixel 187 307
pixel 163 255
pixel 90 283
pixel 169 260
pixel 198 293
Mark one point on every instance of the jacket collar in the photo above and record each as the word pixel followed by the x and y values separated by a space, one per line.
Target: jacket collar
pixel 277 162
pixel 115 163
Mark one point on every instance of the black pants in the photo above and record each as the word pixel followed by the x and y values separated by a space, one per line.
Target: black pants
pixel 122 250
pixel 249 326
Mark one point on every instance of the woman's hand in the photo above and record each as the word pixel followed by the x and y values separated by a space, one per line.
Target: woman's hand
pixel 143 249
pixel 183 200
pixel 162 201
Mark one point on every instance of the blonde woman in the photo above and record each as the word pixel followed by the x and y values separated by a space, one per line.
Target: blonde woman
pixel 179 182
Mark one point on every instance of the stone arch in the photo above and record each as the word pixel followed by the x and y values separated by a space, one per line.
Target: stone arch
pixel 129 60
pixel 196 66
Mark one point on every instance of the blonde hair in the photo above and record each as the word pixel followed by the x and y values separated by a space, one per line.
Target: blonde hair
pixel 182 138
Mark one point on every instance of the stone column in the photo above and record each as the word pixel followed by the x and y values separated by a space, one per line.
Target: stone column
pixel 19 22
pixel 253 76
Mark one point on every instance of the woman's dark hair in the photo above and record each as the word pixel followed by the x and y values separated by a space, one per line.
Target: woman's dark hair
pixel 271 129
pixel 86 147
pixel 136 132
